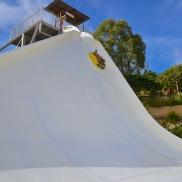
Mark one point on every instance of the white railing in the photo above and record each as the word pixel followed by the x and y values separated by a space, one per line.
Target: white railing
pixel 39 15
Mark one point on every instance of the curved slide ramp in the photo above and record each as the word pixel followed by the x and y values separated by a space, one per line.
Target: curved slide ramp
pixel 62 119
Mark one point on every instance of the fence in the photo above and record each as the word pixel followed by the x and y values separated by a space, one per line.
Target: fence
pixel 39 15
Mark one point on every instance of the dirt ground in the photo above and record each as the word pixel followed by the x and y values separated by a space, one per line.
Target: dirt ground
pixel 160 115
pixel 161 112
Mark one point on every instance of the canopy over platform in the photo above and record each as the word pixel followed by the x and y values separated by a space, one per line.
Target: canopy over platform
pixel 73 16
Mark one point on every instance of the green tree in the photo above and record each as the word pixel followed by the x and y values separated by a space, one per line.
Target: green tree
pixel 172 78
pixel 152 84
pixel 126 49
pixel 146 82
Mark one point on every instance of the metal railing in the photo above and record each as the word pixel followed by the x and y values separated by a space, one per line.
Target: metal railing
pixel 39 15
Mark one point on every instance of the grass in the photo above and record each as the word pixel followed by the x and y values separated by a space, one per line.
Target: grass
pixel 157 101
pixel 172 121
pixel 177 131
pixel 173 117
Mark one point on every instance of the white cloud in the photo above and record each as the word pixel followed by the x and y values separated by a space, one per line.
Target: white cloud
pixel 176 3
pixel 177 54
pixel 96 4
pixel 165 49
pixel 172 7
pixel 12 14
pixel 8 14
pixel 165 41
pixel 107 7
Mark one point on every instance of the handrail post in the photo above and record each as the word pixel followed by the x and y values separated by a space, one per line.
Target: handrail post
pixel 23 40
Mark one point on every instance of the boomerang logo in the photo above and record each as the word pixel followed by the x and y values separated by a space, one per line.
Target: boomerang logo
pixel 97 60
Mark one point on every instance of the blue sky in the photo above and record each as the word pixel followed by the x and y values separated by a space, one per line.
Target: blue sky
pixel 158 21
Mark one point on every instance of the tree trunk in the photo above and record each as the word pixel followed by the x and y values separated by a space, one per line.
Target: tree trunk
pixel 177 87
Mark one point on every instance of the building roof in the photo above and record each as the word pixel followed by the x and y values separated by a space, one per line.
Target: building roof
pixel 73 16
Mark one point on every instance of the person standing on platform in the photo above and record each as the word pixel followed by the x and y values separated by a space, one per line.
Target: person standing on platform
pixel 61 23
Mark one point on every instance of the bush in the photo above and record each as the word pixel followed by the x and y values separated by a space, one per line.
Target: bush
pixel 173 117
pixel 162 101
pixel 178 131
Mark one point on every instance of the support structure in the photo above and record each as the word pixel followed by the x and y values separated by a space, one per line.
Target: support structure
pixel 22 40
pixel 38 26
pixel 39 31
pixel 35 33
pixel 5 46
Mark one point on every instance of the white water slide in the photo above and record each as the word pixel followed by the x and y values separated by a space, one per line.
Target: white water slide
pixel 64 120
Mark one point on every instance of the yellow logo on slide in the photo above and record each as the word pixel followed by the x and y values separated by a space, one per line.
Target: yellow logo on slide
pixel 97 60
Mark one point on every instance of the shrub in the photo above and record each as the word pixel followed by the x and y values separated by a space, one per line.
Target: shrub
pixel 172 117
pixel 162 101
pixel 178 131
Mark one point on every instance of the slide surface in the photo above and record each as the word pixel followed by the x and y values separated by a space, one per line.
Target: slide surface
pixel 62 119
